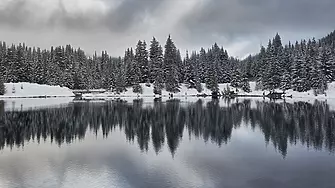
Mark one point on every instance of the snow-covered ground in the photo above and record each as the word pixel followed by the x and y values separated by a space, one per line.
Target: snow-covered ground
pixel 184 91
pixel 30 90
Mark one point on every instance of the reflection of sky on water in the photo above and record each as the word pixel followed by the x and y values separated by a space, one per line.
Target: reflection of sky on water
pixel 113 161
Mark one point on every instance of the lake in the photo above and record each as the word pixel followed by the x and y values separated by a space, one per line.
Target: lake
pixel 174 143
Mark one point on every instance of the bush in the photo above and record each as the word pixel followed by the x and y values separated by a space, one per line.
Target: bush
pixel 137 89
pixel 157 90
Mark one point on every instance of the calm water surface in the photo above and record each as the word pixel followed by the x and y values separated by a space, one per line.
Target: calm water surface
pixel 203 144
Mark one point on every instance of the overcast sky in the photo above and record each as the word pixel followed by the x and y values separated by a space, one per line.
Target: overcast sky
pixel 240 26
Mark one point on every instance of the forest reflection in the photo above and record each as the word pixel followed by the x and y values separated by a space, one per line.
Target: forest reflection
pixel 312 125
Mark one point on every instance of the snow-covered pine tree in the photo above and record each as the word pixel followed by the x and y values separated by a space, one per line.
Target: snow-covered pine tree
pixel 171 67
pixel 29 71
pixel 21 64
pixel 39 67
pixel 202 65
pixel 136 77
pixel 156 64
pixel 198 85
pixel 11 65
pixel 322 84
pixel 273 70
pixel 285 83
pixel 223 73
pixel 299 75
pixel 245 85
pixel 260 69
pixel 2 85
pixel 236 79
pixel 82 69
pixel 189 70
pixel 120 79
pixel 326 64
pixel 141 58
pixel 180 67
pixel 105 70
pixel 213 59
pixel 3 70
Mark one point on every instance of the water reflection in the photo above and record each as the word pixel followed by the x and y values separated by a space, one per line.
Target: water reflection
pixel 312 125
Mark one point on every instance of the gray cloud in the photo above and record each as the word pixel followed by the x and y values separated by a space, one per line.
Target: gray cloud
pixel 241 17
pixel 120 15
pixel 230 21
pixel 238 25
pixel 130 13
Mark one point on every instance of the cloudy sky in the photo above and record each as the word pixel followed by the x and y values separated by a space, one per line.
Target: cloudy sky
pixel 240 26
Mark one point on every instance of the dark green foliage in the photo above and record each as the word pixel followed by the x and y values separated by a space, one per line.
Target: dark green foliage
pixel 2 86
pixel 156 63
pixel 236 79
pixel 171 67
pixel 137 89
pixel 245 86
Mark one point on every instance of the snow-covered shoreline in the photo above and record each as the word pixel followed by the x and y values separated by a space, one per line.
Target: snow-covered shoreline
pixel 34 96
pixel 31 90
pixel 185 92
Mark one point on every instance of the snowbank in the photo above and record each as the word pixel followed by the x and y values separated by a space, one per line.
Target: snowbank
pixel 30 90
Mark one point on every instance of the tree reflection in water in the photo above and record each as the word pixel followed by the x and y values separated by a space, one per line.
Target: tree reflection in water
pixel 312 125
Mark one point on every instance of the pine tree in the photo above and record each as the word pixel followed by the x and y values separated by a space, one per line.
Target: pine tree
pixel 120 76
pixel 39 68
pixel 171 67
pixel 236 79
pixel 202 65
pixel 326 64
pixel 223 73
pixel 156 62
pixel 180 67
pixel 2 86
pixel 189 70
pixel 213 60
pixel 272 72
pixel 11 65
pixel 260 69
pixel 245 85
pixel 299 69
pixel 141 58
pixel 197 81
pixel 285 83
pixel 21 65
pixel 136 77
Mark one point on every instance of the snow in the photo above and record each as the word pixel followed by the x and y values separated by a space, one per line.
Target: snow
pixel 30 90
pixel 184 91
pixel 330 93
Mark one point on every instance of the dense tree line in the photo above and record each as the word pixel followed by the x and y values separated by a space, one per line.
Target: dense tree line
pixel 312 125
pixel 302 66
pixel 164 68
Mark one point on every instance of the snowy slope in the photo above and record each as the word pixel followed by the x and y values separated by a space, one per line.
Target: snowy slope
pixel 20 90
